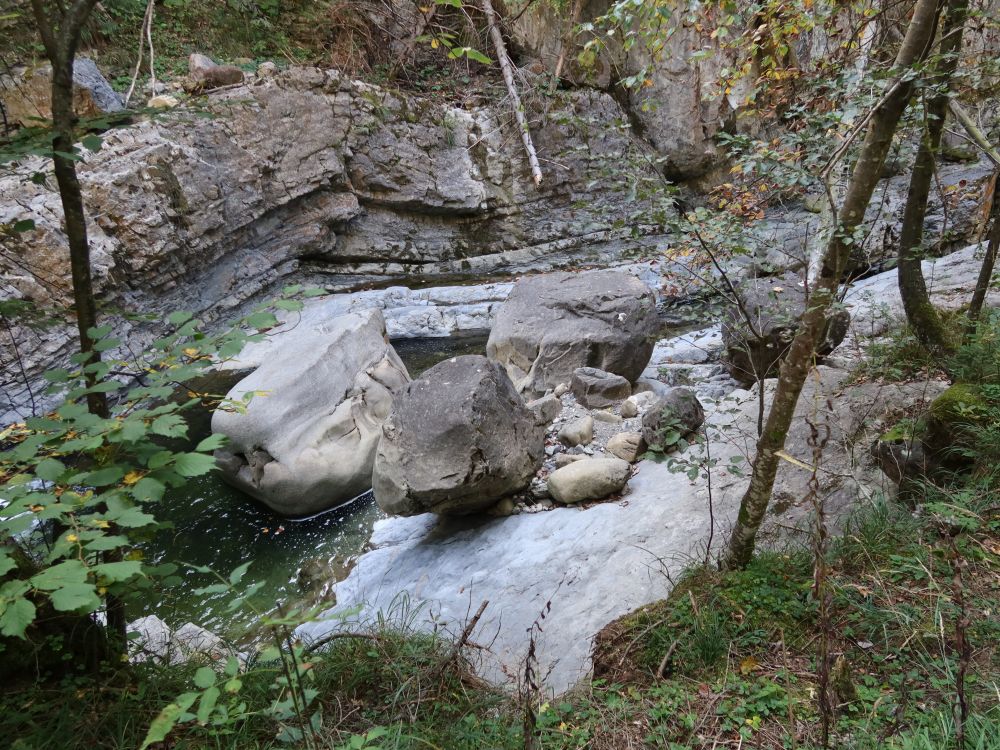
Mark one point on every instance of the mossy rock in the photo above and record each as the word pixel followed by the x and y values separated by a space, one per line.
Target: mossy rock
pixel 955 415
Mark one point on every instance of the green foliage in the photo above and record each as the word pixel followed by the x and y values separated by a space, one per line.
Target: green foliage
pixel 80 491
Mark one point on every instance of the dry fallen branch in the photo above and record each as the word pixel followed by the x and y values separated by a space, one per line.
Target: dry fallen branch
pixel 508 76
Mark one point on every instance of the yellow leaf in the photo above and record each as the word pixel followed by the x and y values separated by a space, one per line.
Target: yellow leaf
pixel 191 351
pixel 72 538
pixel 748 665
pixel 101 524
pixel 435 44
pixel 132 477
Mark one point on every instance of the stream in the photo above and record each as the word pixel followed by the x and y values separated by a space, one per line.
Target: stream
pixel 211 524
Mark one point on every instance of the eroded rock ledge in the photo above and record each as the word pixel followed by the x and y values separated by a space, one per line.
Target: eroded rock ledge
pixel 309 174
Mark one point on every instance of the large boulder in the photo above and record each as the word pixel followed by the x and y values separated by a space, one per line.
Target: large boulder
pixel 27 94
pixel 673 417
pixel 307 441
pixel 459 439
pixel 553 324
pixel 759 327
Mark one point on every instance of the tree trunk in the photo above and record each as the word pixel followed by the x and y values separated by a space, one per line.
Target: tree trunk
pixel 60 29
pixel 989 261
pixel 61 40
pixel 920 313
pixel 799 360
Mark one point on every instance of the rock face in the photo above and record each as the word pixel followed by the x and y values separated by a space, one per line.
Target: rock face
pixel 553 324
pixel 596 389
pixel 459 439
pixel 308 443
pixel 679 411
pixel 308 176
pixel 590 479
pixel 28 96
pixel 774 305
pixel 672 109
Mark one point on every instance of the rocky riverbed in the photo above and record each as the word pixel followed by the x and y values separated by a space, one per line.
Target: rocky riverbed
pixel 582 566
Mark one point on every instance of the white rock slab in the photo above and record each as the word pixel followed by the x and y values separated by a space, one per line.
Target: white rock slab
pixel 593 565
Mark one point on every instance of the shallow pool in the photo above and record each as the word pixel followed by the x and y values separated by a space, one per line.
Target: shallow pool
pixel 211 524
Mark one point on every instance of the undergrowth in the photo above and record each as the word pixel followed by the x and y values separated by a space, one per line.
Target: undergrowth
pixel 727 658
pixel 359 37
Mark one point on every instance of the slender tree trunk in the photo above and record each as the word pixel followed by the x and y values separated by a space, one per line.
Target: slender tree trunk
pixel 986 269
pixel 799 360
pixel 61 36
pixel 920 313
pixel 60 28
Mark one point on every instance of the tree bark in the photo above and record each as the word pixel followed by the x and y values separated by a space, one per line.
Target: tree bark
pixel 799 360
pixel 60 28
pixel 989 262
pixel 61 36
pixel 920 313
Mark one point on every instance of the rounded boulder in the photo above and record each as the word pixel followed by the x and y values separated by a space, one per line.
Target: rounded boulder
pixel 554 323
pixel 458 439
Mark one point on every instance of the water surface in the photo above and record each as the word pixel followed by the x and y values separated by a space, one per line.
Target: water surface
pixel 214 525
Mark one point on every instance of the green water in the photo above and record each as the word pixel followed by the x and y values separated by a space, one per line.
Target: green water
pixel 213 525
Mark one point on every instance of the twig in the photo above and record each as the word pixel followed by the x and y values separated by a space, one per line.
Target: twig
pixel 146 22
pixel 466 633
pixel 974 132
pixel 336 636
pixel 665 659
pixel 508 77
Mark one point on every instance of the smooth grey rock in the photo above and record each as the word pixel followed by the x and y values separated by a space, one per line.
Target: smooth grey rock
pixel 680 411
pixel 774 305
pixel 561 389
pixel 307 443
pixel 606 417
pixel 637 403
pixel 565 459
pixel 590 479
pixel 578 432
pixel 553 324
pixel 459 439
pixel 87 76
pixel 596 389
pixel 545 409
pixel 650 385
pixel 627 446
pixel 192 641
pixel 152 640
